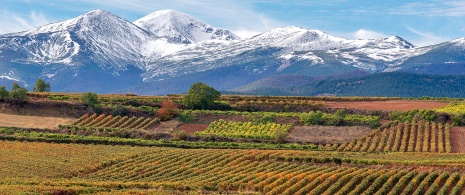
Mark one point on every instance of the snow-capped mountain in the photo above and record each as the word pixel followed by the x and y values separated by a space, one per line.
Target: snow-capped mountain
pixel 181 28
pixel 110 41
pixel 167 51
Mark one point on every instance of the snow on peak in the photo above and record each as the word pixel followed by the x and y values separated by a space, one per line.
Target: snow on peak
pixel 181 28
pixel 301 39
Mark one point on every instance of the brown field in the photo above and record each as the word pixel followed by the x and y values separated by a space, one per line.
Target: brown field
pixel 191 128
pixel 39 122
pixel 326 134
pixel 457 139
pixel 402 105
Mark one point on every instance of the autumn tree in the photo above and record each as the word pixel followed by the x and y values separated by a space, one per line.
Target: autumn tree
pixel 168 110
pixel 200 96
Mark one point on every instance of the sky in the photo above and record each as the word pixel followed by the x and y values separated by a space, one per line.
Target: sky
pixel 421 22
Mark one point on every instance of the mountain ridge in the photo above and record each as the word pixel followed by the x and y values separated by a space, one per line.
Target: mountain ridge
pixel 170 47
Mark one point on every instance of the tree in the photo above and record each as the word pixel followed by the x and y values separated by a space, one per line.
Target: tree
pixel 15 86
pixel 3 93
pixel 200 95
pixel 41 86
pixel 168 110
pixel 17 94
pixel 90 99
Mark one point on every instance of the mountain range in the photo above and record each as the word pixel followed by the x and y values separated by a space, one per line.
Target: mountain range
pixel 167 51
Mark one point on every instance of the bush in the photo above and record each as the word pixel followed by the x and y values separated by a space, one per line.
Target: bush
pixel 17 94
pixel 168 110
pixel 90 99
pixel 4 94
pixel 280 136
pixel 41 86
pixel 200 96
pixel 179 135
pixel 119 111
pixel 312 118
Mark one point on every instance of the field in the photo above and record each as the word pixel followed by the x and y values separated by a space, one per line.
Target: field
pixel 391 105
pixel 8 120
pixel 259 145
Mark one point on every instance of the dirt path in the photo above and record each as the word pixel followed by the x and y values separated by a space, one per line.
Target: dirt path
pixel 8 120
pixel 457 139
pixel 326 134
pixel 403 105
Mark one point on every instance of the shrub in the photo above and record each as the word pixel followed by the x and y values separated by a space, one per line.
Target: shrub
pixel 90 99
pixel 200 96
pixel 168 110
pixel 280 136
pixel 312 118
pixel 179 135
pixel 41 86
pixel 4 94
pixel 17 94
pixel 119 111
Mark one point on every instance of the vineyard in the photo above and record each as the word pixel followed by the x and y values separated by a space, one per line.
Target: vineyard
pixel 266 172
pixel 267 131
pixel 111 122
pixel 246 145
pixel 405 137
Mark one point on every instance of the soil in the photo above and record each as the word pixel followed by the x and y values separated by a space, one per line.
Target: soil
pixel 391 105
pixel 167 126
pixel 457 139
pixel 191 128
pixel 326 134
pixel 39 122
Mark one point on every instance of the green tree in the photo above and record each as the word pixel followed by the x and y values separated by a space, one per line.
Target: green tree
pixel 17 94
pixel 200 95
pixel 90 99
pixel 3 93
pixel 41 86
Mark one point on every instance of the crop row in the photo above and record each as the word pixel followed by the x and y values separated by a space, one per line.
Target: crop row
pixel 264 172
pixel 267 131
pixel 304 118
pixel 405 137
pixel 109 121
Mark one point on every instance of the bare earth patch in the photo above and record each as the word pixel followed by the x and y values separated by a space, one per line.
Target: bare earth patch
pixel 7 120
pixel 191 128
pixel 402 105
pixel 457 139
pixel 166 127
pixel 326 134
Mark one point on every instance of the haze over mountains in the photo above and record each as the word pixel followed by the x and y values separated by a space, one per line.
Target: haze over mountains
pixel 167 51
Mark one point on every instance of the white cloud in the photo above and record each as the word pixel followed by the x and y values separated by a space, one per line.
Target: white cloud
pixel 368 34
pixel 426 38
pixel 229 14
pixel 12 22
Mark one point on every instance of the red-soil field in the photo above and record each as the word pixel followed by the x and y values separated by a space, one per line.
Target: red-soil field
pixel 457 139
pixel 402 105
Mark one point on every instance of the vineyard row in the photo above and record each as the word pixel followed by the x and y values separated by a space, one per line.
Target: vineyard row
pixel 405 137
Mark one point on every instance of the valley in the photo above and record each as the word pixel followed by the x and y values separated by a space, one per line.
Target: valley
pixel 247 145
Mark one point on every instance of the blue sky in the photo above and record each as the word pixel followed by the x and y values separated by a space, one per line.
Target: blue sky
pixel 420 22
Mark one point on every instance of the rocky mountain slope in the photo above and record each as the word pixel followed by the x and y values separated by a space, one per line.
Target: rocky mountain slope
pixel 167 51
